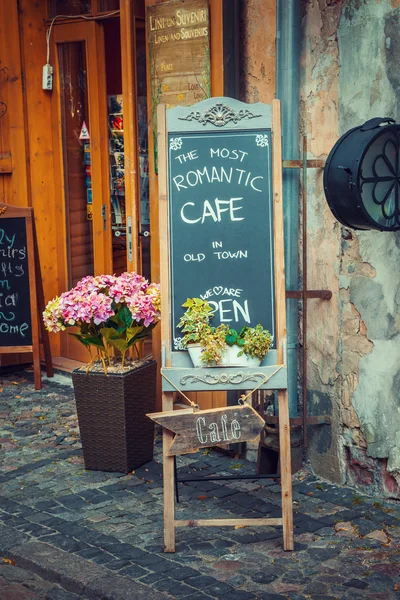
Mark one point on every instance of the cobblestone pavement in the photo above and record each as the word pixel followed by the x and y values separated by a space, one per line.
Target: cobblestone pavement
pixel 67 533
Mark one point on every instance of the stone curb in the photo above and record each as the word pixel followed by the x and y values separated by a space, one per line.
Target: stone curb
pixel 77 574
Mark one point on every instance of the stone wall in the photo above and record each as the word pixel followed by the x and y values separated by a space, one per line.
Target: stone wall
pixel 350 73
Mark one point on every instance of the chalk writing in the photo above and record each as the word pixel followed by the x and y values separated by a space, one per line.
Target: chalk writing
pixel 221 227
pixel 15 320
pixel 218 431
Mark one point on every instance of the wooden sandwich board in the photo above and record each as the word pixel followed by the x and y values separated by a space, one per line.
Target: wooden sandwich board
pixel 221 238
pixel 21 291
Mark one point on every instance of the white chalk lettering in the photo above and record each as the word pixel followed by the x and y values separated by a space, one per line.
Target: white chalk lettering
pixel 214 433
pixel 199 422
pixel 217 174
pixel 231 154
pixel 221 291
pixel 228 310
pixel 221 206
pixel 226 254
pixel 194 258
pixel 189 156
pixel 219 432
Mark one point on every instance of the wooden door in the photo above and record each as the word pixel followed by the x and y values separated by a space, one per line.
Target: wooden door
pixel 81 145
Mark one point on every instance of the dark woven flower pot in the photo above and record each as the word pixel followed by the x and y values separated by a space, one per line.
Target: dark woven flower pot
pixel 115 433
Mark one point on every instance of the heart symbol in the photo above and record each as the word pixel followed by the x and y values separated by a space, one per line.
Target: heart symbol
pixel 3 109
pixel 218 290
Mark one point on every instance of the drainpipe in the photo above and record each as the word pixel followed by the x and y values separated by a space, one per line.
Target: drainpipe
pixel 288 91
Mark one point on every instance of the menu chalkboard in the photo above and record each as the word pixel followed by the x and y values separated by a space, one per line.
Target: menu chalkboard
pixel 15 309
pixel 221 227
pixel 21 290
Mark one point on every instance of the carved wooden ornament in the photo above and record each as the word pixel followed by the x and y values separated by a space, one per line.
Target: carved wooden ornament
pixel 195 429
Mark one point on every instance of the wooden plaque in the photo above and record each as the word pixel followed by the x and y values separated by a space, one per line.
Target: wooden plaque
pixel 195 429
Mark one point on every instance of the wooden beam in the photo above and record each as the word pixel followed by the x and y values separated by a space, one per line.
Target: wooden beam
pixel 280 301
pixel 229 522
pixel 167 397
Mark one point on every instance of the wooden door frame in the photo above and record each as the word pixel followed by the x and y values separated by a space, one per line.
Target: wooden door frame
pixel 91 34
pixel 131 134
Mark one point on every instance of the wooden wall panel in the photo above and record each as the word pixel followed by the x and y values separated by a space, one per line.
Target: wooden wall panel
pixel 40 149
pixel 14 166
pixel 14 185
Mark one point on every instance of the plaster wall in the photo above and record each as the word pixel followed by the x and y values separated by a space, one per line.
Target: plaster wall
pixel 350 74
pixel 257 39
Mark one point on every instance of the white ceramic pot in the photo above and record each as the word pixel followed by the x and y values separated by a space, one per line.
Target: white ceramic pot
pixel 233 360
pixel 195 354
pixel 230 357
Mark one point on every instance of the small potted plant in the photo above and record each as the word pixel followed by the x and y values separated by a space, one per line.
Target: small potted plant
pixel 213 346
pixel 113 393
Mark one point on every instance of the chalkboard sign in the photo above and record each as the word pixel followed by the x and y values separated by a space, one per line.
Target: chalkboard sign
pixel 15 308
pixel 221 238
pixel 21 291
pixel 221 227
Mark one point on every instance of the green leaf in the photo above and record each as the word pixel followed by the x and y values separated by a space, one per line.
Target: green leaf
pixel 79 338
pixel 133 332
pixel 109 333
pixel 89 340
pixel 231 337
pixel 125 315
pixel 121 345
pixel 189 302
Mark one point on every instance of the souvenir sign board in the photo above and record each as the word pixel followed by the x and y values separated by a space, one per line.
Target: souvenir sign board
pixel 21 295
pixel 178 38
pixel 221 238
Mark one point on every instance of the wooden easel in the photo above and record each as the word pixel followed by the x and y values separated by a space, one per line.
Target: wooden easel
pixel 169 361
pixel 36 295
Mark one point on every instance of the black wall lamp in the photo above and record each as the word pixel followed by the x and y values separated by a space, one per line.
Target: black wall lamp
pixel 362 176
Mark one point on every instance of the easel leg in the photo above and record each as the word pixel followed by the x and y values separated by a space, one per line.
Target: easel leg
pixel 41 307
pixel 286 472
pixel 36 367
pixel 169 480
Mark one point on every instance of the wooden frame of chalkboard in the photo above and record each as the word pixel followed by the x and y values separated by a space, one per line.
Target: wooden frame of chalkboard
pixel 21 293
pixel 220 181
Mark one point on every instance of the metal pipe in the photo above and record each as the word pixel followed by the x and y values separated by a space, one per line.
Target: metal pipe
pixel 288 91
pixel 305 288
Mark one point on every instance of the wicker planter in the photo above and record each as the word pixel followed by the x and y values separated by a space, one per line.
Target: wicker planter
pixel 115 433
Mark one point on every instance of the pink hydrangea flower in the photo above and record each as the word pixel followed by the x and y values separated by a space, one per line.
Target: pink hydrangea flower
pixel 94 300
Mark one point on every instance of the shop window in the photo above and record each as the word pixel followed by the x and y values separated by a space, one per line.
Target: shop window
pixel 72 7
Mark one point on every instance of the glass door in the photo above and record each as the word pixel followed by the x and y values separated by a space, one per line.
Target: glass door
pixel 80 103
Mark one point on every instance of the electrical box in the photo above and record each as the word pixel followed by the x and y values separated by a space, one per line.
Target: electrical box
pixel 47 80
